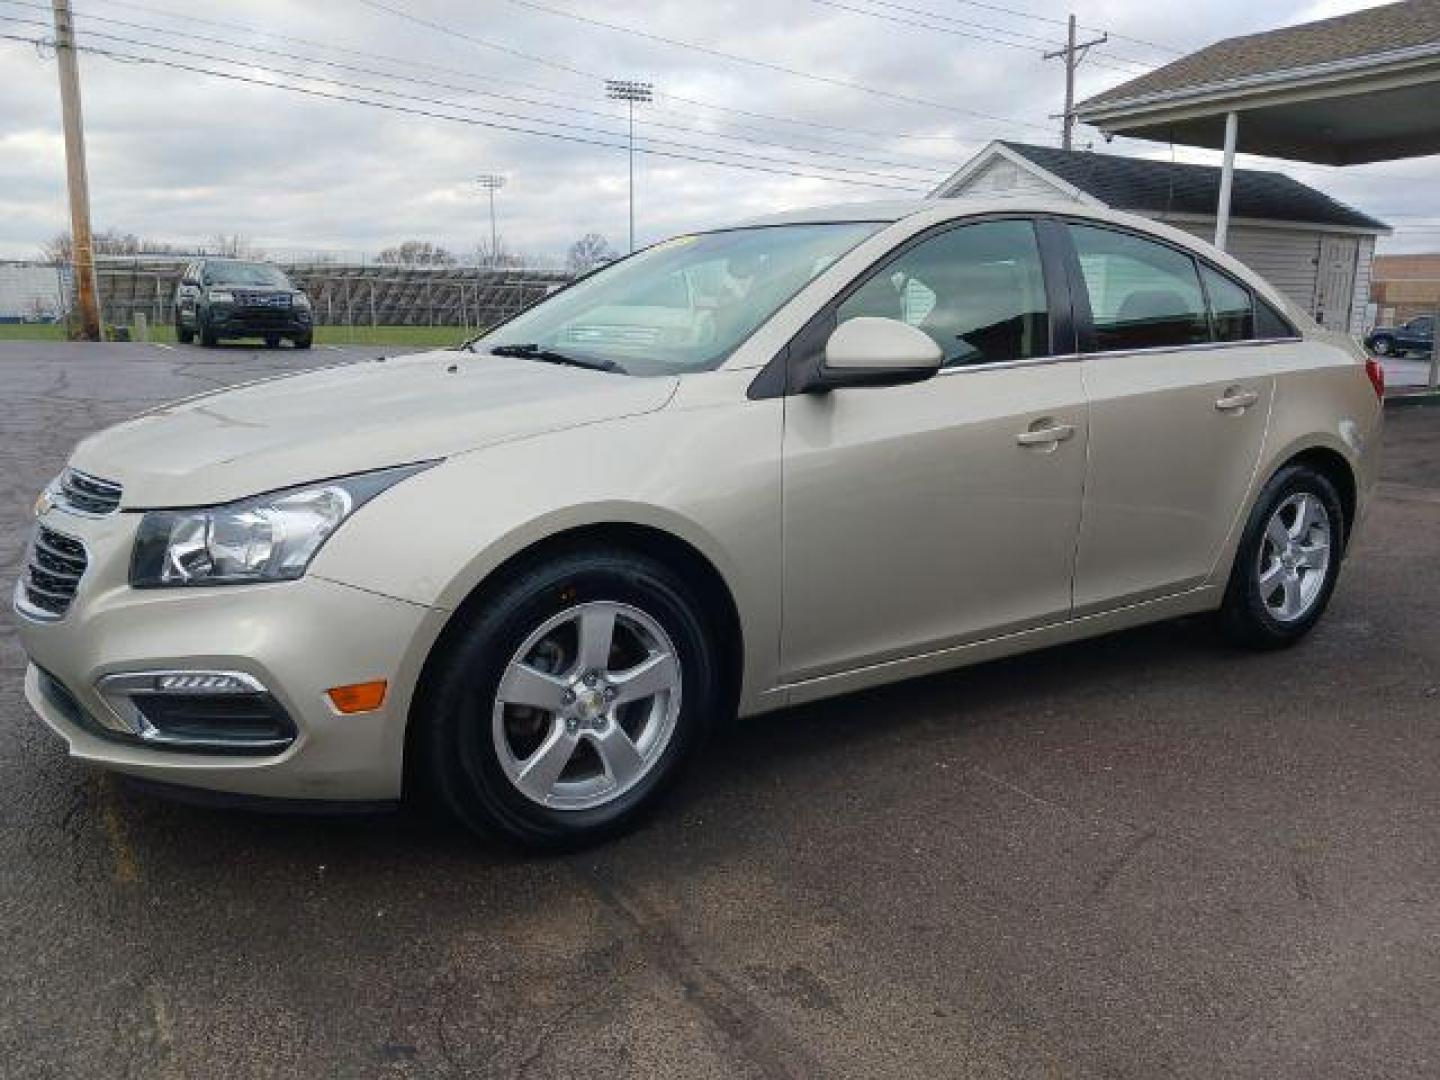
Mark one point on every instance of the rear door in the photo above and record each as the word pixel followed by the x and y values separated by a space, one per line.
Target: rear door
pixel 922 516
pixel 1180 394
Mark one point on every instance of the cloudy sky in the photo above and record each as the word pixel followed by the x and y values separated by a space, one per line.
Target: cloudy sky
pixel 870 107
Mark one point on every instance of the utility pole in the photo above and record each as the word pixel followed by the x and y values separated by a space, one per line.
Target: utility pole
pixel 82 250
pixel 630 92
pixel 492 182
pixel 1072 54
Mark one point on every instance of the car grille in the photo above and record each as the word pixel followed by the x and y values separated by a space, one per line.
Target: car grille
pixel 52 574
pixel 85 494
pixel 262 300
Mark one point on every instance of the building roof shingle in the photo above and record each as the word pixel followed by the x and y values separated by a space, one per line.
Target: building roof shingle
pixel 1128 183
pixel 1373 32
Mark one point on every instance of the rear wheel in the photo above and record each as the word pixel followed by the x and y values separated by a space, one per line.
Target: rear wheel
pixel 1288 561
pixel 572 699
pixel 1382 346
pixel 272 341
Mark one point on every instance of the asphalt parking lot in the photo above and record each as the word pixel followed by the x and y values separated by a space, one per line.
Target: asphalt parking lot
pixel 1142 856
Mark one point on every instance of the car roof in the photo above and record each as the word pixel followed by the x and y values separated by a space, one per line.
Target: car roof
pixel 892 210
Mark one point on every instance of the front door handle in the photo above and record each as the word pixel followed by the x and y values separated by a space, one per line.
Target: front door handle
pixel 1046 436
pixel 1236 400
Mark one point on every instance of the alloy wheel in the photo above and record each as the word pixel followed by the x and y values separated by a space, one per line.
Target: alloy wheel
pixel 587 705
pixel 1294 558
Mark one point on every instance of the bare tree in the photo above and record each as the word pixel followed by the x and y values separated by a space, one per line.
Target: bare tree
pixel 590 251
pixel 232 246
pixel 417 253
pixel 109 242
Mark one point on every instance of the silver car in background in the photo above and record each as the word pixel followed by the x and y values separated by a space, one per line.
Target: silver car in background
pixel 739 470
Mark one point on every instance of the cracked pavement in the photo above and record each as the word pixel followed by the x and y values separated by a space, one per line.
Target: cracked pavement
pixel 1146 855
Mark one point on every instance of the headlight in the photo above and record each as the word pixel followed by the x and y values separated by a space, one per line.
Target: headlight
pixel 300 300
pixel 220 296
pixel 268 538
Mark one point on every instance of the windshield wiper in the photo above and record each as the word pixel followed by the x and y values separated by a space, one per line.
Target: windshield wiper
pixel 532 351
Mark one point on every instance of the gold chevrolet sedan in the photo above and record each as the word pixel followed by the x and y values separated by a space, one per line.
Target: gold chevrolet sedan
pixel 736 471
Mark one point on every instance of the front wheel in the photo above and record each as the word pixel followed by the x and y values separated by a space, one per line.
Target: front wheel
pixel 183 334
pixel 571 700
pixel 1382 346
pixel 304 341
pixel 272 341
pixel 1288 561
pixel 207 336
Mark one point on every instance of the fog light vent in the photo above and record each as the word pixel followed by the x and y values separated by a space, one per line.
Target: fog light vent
pixel 204 711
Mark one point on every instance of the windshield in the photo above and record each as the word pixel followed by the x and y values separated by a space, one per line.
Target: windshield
pixel 242 273
pixel 683 305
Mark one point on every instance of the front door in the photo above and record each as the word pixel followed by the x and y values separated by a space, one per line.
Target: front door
pixel 923 516
pixel 1335 281
pixel 1180 396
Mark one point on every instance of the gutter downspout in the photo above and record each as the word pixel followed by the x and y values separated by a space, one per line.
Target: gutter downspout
pixel 1227 176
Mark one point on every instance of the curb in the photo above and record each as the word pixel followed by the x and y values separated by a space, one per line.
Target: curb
pixel 1413 399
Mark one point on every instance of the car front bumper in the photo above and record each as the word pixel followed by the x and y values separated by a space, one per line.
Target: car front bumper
pixel 259 320
pixel 295 640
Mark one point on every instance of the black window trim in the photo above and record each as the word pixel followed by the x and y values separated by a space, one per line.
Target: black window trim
pixel 1084 320
pixel 792 370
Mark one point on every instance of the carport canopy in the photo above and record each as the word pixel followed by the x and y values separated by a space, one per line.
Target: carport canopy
pixel 1350 90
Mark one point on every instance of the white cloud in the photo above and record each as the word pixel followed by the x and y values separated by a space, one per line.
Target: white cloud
pixel 181 156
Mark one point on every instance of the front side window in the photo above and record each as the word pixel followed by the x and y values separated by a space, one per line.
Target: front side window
pixel 1231 312
pixel 1143 295
pixel 685 304
pixel 978 290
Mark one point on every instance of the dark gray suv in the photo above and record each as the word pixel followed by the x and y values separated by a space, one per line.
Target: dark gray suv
pixel 230 298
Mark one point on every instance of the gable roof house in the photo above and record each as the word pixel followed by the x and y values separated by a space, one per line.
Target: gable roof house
pixel 1314 249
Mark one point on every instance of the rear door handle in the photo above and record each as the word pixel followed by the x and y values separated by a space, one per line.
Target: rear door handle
pixel 1047 436
pixel 1236 399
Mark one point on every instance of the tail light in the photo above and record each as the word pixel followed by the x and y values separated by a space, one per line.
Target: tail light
pixel 1376 371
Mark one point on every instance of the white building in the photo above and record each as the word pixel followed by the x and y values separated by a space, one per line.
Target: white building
pixel 30 293
pixel 1309 246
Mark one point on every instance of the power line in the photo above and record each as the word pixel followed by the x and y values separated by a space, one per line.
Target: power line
pixel 486 112
pixel 432 114
pixel 935 167
pixel 1000 8
pixel 708 51
pixel 510 80
pixel 1027 42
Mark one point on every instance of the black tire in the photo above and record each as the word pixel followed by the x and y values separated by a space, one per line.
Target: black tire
pixel 1245 616
pixel 458 760
pixel 207 336
pixel 304 342
pixel 272 341
pixel 183 334
pixel 1382 346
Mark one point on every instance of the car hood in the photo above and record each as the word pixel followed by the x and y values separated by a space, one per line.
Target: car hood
pixel 278 432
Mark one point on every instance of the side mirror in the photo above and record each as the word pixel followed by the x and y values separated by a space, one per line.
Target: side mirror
pixel 877 352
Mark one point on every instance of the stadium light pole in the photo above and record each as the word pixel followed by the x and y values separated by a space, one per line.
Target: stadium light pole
pixel 630 92
pixel 492 182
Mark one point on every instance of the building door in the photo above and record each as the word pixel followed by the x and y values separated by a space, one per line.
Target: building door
pixel 1335 281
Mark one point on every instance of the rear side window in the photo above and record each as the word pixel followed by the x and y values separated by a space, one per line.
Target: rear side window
pixel 1270 324
pixel 977 290
pixel 1231 315
pixel 1143 295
